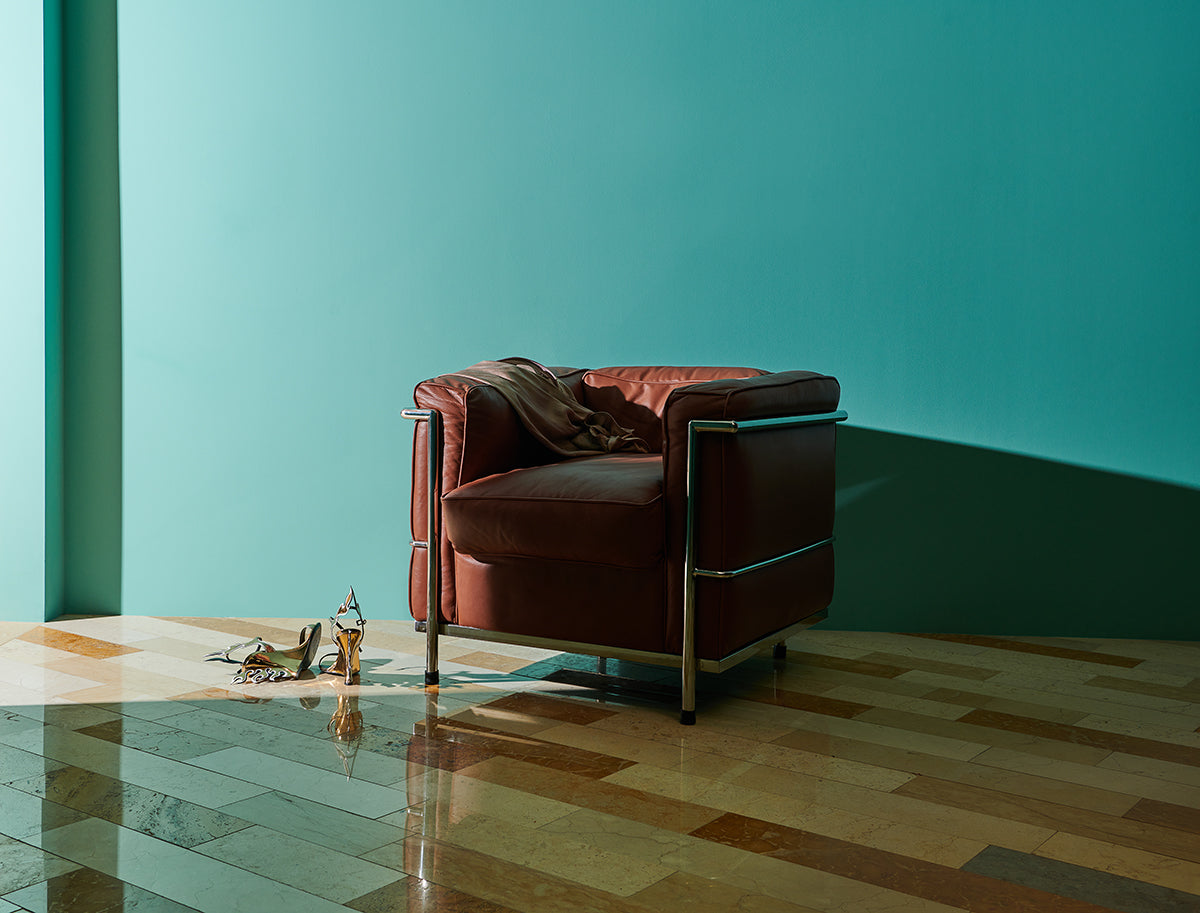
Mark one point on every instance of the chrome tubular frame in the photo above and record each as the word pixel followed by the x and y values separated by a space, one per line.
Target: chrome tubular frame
pixel 433 566
pixel 686 661
pixel 690 571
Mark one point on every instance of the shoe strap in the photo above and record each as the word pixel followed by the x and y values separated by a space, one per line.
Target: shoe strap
pixel 223 655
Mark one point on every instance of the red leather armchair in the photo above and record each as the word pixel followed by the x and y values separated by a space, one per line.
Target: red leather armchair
pixel 693 555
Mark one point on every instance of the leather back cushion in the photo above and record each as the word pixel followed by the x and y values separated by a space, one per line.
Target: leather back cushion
pixel 636 396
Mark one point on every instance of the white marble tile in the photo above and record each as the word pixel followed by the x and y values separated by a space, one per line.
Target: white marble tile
pixel 11 629
pixel 146 708
pixel 41 681
pixel 563 855
pixel 32 654
pixel 315 751
pixel 117 629
pixel 151 665
pixel 11 723
pixel 1099 776
pixel 17 764
pixel 207 885
pixel 139 768
pixel 1152 767
pixel 143 627
pixel 355 796
pixel 303 817
pixel 1062 694
pixel 22 814
pixel 25 701
pixel 289 860
pixel 1181 731
pixel 22 863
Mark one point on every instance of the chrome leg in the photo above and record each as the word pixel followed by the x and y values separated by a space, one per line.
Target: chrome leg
pixel 687 712
pixel 433 568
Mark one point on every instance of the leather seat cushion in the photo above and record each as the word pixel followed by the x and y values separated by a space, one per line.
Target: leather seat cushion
pixel 605 509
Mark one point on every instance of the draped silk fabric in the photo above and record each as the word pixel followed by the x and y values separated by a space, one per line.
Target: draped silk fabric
pixel 551 412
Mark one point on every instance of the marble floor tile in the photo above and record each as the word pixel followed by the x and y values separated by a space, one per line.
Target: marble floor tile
pixel 62 639
pixel 497 880
pixel 1176 817
pixel 909 738
pixel 23 814
pixel 1082 735
pixel 114 629
pixel 295 779
pixel 1064 695
pixel 1100 888
pixel 599 795
pixel 941 884
pixel 866 773
pixel 41 680
pixel 23 864
pixel 186 877
pixel 1057 651
pixel 1150 835
pixel 16 764
pixel 33 653
pixel 88 891
pixel 1151 767
pixel 313 865
pixel 449 799
pixel 897 806
pixel 95 795
pixel 879 698
pixel 78 716
pixel 977 727
pixel 316 750
pixel 564 856
pixel 416 895
pixel 706 895
pixel 148 771
pixel 850 825
pixel 1178 731
pixel 1128 862
pixel 12 722
pixel 1183 696
pixel 10 630
pixel 144 709
pixel 126 675
pixel 167 741
pixel 349 833
pixel 1088 775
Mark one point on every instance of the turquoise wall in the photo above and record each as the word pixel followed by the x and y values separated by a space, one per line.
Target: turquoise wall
pixel 981 217
pixel 22 314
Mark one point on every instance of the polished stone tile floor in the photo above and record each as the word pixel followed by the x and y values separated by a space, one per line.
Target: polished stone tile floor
pixel 866 772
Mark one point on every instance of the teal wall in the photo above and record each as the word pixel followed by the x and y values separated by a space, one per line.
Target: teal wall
pixel 91 378
pixel 981 217
pixel 22 324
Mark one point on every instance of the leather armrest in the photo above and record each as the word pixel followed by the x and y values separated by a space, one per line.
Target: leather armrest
pixel 759 494
pixel 481 436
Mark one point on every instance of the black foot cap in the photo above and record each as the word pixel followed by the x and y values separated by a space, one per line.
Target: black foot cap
pixel 779 651
pixel 687 717
pixel 431 678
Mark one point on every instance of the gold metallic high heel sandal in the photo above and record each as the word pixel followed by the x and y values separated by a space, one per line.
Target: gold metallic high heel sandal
pixel 270 665
pixel 347 639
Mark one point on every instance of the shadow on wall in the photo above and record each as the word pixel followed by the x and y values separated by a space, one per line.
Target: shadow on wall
pixel 939 537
